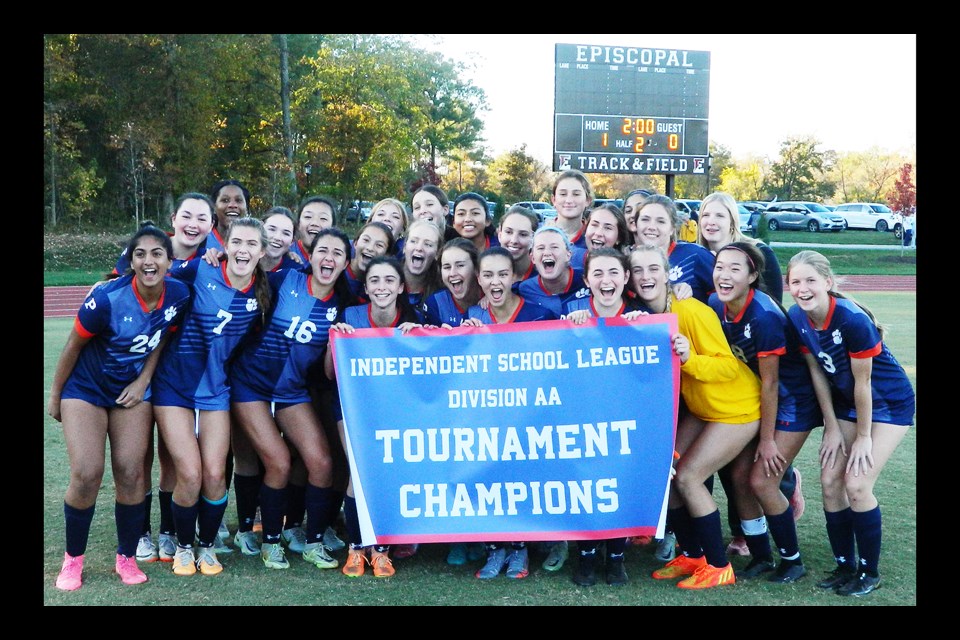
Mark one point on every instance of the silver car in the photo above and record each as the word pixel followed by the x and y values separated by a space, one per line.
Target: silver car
pixel 808 216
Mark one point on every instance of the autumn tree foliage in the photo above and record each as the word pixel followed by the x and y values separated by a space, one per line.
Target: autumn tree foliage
pixel 903 197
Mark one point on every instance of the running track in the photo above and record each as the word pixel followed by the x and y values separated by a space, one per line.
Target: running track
pixel 63 302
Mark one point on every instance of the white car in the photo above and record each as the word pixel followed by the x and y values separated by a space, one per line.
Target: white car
pixel 544 210
pixel 870 215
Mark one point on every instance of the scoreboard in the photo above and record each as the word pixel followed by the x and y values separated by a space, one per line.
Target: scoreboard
pixel 630 109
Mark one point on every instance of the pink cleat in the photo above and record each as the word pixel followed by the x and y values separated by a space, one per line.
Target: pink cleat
pixel 70 572
pixel 128 570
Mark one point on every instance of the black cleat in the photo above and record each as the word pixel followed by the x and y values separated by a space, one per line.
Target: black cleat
pixel 838 577
pixel 754 568
pixel 861 585
pixel 586 575
pixel 616 573
pixel 788 572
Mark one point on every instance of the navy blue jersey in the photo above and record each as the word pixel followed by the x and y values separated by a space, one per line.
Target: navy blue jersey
pixel 761 329
pixel 772 276
pixel 578 257
pixel 848 332
pixel 304 252
pixel 356 283
pixel 192 372
pixel 527 311
pixel 693 264
pixel 586 304
pixel 273 365
pixel 122 334
pixel 358 317
pixel 441 308
pixel 534 291
pixel 286 262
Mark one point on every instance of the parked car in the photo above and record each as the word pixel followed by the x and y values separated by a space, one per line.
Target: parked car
pixel 544 210
pixel 755 205
pixel 597 202
pixel 797 214
pixel 870 215
pixel 360 211
pixel 690 207
pixel 749 221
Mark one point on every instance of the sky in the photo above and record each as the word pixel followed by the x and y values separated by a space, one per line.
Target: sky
pixel 851 92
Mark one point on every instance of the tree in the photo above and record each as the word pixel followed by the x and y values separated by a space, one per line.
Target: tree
pixel 516 175
pixel 903 197
pixel 745 180
pixel 864 176
pixel 800 174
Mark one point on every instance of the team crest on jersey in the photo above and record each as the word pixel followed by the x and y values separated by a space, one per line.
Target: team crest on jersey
pixel 675 273
pixel 837 336
pixel 251 304
pixel 584 292
pixel 169 313
pixel 332 314
pixel 747 331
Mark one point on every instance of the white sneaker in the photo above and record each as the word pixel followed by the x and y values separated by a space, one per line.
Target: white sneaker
pixel 166 547
pixel 247 542
pixel 331 541
pixel 667 547
pixel 296 539
pixel 146 550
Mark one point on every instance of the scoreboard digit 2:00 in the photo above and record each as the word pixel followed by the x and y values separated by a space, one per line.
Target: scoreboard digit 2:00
pixel 630 109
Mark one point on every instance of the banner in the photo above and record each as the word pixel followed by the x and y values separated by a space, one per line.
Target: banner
pixel 527 431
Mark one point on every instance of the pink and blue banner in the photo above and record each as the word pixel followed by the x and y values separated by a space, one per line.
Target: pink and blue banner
pixel 528 431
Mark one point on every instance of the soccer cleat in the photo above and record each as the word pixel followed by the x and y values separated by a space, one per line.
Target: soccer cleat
pixel 475 551
pixel 755 567
pixel 738 547
pixel 496 561
pixel 317 554
pixel 184 562
pixel 296 539
pixel 788 572
pixel 354 566
pixel 457 555
pixel 666 547
pixel 838 577
pixel 616 572
pixel 128 570
pixel 146 550
pixel 518 563
pixel 273 556
pixel 709 576
pixel 381 563
pixel 678 567
pixel 247 542
pixel 207 561
pixel 166 547
pixel 220 540
pixel 557 556
pixel 70 573
pixel 860 585
pixel 586 573
pixel 796 500
pixel 402 551
pixel 332 541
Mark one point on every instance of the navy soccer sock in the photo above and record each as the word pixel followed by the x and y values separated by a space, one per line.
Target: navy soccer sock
pixel 317 501
pixel 273 503
pixel 77 525
pixel 867 528
pixel 209 516
pixel 165 500
pixel 129 519
pixel 247 492
pixel 709 530
pixel 840 534
pixel 186 522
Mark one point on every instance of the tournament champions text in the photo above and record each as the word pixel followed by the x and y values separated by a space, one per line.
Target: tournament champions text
pixel 527 431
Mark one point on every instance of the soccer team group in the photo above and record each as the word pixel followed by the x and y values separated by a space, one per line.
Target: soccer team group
pixel 217 332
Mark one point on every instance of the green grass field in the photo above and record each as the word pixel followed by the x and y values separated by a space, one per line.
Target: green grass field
pixel 426 579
